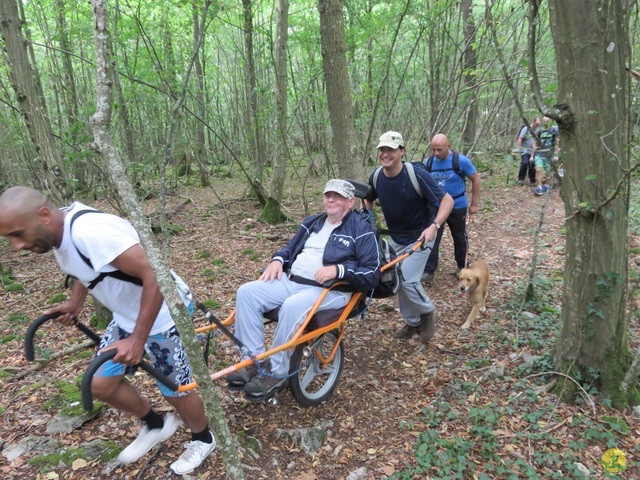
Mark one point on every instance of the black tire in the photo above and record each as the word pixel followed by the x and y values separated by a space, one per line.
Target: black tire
pixel 312 384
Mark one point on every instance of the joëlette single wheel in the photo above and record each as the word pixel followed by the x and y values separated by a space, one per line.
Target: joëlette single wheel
pixel 314 382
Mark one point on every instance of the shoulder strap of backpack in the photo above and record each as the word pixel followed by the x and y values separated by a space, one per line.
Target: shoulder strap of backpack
pixel 376 174
pixel 413 178
pixel 117 274
pixel 75 216
pixel 455 163
pixel 429 164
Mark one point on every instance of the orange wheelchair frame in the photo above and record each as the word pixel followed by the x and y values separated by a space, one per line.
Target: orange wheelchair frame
pixel 315 365
pixel 318 352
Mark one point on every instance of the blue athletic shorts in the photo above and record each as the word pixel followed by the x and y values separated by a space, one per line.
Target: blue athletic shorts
pixel 543 163
pixel 165 350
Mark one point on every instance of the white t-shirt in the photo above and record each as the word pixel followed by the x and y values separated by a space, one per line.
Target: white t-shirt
pixel 309 260
pixel 103 237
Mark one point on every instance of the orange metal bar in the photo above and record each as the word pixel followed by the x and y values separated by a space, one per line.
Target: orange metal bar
pixel 296 340
pixel 299 337
pixel 230 320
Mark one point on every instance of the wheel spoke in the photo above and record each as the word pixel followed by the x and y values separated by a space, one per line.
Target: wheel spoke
pixel 309 375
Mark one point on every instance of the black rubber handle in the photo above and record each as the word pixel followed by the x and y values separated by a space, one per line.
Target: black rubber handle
pixel 87 397
pixel 33 327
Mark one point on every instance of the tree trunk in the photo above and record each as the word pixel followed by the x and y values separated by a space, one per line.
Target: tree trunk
pixel 256 146
pixel 470 61
pixel 336 78
pixel 126 129
pixel 272 213
pixel 201 108
pixel 590 45
pixel 104 144
pixel 69 88
pixel 32 105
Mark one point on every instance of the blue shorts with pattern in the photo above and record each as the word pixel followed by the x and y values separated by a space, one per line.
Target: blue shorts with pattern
pixel 542 162
pixel 165 350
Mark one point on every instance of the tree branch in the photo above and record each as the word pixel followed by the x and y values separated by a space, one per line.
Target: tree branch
pixel 41 362
pixel 559 113
pixel 594 210
pixel 585 394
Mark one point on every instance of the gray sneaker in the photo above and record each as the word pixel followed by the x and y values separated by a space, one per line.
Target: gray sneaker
pixel 262 387
pixel 238 379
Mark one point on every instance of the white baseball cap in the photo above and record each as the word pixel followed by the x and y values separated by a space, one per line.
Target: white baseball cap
pixel 391 139
pixel 342 187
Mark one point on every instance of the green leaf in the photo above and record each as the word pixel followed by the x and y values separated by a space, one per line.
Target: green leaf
pixel 590 177
pixel 617 424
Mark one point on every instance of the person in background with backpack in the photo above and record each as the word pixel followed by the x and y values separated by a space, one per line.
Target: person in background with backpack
pixel 524 144
pixel 141 318
pixel 414 207
pixel 545 150
pixel 450 170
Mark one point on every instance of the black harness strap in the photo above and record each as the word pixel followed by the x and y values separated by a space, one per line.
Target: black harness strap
pixel 117 274
pixel 304 281
pixel 385 231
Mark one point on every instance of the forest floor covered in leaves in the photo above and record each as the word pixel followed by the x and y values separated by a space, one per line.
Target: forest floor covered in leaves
pixel 464 406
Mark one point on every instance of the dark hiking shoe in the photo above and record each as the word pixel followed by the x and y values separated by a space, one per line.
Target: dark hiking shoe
pixel 238 379
pixel 406 332
pixel 428 327
pixel 262 387
pixel 428 277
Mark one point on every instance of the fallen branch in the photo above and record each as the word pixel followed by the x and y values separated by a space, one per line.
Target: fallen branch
pixel 586 395
pixel 44 361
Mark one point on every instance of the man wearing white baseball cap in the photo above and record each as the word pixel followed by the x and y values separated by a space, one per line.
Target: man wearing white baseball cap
pixel 414 207
pixel 336 244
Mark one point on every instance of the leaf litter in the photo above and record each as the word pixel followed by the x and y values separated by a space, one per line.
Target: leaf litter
pixel 388 387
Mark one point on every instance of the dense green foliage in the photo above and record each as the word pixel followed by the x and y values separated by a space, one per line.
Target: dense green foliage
pixel 405 68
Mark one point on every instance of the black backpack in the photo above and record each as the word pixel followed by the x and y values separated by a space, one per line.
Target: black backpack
pixel 455 164
pixel 391 278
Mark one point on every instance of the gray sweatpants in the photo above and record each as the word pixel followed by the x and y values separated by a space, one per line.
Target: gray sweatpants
pixel 413 300
pixel 256 298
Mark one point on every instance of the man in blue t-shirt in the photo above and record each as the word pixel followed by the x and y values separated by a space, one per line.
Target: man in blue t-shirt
pixel 453 182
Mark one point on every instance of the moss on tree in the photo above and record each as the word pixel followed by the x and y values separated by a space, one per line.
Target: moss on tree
pixel 271 213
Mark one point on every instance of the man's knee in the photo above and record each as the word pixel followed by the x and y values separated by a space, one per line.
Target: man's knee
pixel 246 291
pixel 103 388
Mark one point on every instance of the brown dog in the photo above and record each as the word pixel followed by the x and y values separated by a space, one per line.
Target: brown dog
pixel 474 283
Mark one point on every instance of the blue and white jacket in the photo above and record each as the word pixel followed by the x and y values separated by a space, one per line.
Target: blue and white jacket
pixel 352 247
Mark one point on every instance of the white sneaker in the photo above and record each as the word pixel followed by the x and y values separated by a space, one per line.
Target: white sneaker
pixel 194 454
pixel 147 439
